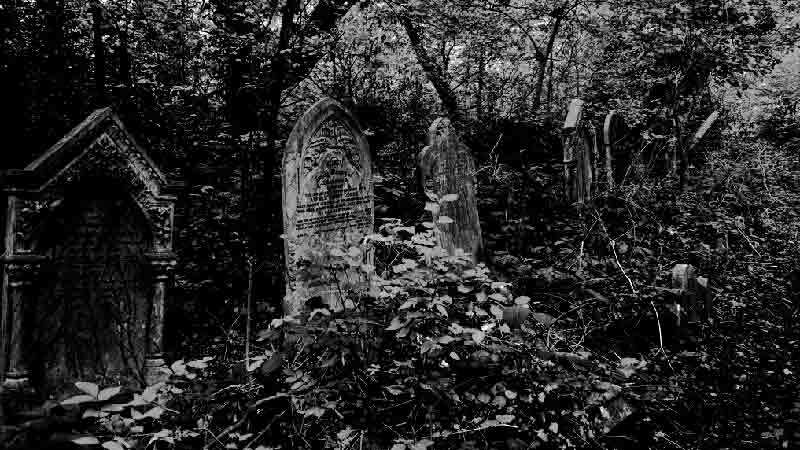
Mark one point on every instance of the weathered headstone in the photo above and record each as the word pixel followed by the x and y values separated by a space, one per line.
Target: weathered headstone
pixel 328 205
pixel 447 168
pixel 87 254
pixel 693 294
pixel 706 295
pixel 618 151
pixel 579 146
pixel 684 282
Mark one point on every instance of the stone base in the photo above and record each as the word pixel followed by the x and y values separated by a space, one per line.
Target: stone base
pixel 155 371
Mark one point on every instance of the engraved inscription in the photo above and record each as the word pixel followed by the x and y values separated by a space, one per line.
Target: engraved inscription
pixel 328 204
pixel 332 193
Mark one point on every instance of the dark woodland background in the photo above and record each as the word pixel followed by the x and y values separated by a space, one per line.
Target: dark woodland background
pixel 212 88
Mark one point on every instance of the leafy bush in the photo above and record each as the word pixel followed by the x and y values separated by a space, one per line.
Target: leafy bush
pixel 436 354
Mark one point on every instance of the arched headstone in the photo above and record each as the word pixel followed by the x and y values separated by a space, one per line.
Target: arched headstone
pixel 87 254
pixel 328 205
pixel 447 167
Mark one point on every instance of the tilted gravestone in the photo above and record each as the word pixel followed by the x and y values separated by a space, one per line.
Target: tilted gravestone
pixel 328 206
pixel 701 132
pixel 447 168
pixel 87 254
pixel 618 150
pixel 579 146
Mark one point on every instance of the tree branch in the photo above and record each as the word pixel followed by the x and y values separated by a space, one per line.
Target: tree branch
pixel 435 74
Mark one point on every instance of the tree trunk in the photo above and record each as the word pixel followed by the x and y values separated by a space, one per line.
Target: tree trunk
pixel 550 85
pixel 12 75
pixel 99 55
pixel 53 83
pixel 124 58
pixel 237 67
pixel 435 74
pixel 481 84
pixel 280 67
pixel 679 153
pixel 544 58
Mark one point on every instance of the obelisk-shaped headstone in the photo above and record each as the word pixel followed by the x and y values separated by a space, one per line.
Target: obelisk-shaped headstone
pixel 328 206
pixel 447 168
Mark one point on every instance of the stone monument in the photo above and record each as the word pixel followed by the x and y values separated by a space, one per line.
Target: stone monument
pixel 87 255
pixel 446 167
pixel 328 207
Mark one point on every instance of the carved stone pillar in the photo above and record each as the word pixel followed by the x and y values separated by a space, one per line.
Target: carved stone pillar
pixel 162 265
pixel 18 274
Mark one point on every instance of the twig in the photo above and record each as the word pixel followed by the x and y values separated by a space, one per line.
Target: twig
pixel 241 421
pixel 612 244
pixel 750 243
pixel 550 326
pixel 266 428
pixel 454 433
pixel 660 335
pixel 249 314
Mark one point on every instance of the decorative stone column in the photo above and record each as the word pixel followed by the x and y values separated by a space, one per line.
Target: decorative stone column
pixel 18 274
pixel 162 265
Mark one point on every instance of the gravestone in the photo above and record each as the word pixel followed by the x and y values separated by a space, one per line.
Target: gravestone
pixel 684 282
pixel 706 295
pixel 693 294
pixel 87 256
pixel 593 158
pixel 328 206
pixel 447 167
pixel 579 144
pixel 618 149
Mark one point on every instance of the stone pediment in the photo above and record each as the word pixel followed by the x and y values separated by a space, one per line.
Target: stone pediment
pixel 97 151
pixel 98 146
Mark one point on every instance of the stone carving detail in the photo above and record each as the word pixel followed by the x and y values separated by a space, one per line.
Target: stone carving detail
pixel 104 159
pixel 92 213
pixel 328 203
pixel 332 193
